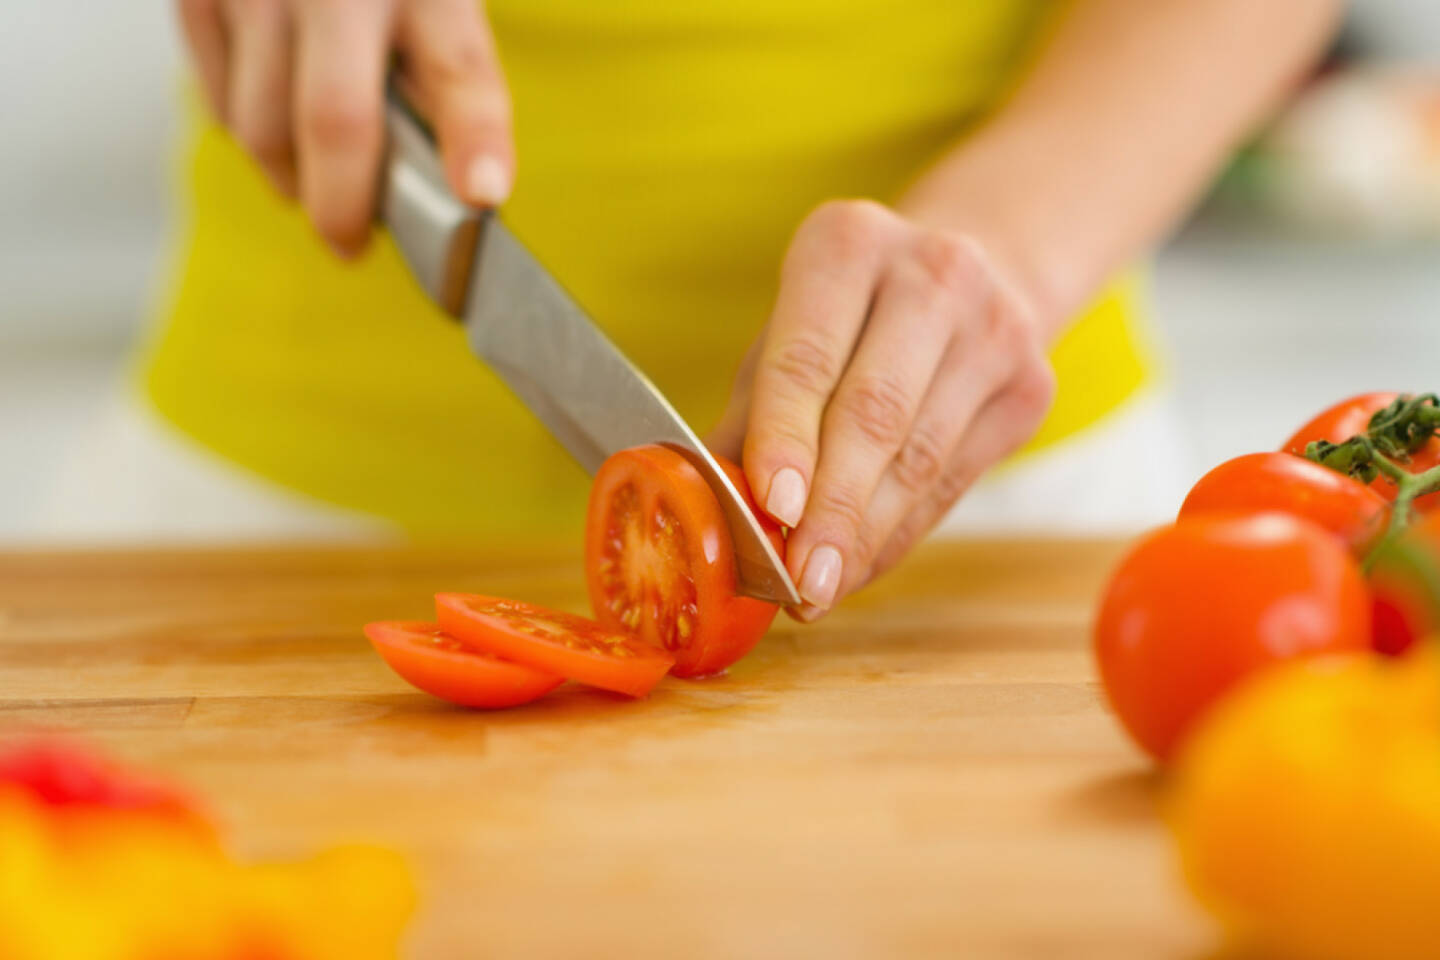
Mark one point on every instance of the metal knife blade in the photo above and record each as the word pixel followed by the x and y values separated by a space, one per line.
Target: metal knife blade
pixel 520 320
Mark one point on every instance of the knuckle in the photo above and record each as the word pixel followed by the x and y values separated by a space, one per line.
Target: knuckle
pixel 807 365
pixel 253 9
pixel 265 141
pixel 340 120
pixel 920 462
pixel 1035 388
pixel 952 262
pixel 949 487
pixel 779 442
pixel 879 409
pixel 850 227
pixel 841 507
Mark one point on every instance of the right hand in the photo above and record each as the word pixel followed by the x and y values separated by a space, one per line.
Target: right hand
pixel 300 83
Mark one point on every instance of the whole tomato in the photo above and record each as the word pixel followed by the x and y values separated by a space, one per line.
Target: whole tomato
pixel 1347 508
pixel 1351 417
pixel 1202 603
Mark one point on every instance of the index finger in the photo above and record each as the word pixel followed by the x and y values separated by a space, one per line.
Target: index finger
pixel 826 287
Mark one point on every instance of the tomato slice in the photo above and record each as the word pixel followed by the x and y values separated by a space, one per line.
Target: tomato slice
pixel 429 658
pixel 555 642
pixel 1350 417
pixel 660 562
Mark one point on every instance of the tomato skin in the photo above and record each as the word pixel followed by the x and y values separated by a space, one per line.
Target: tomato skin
pixel 553 642
pixel 1351 417
pixel 1278 481
pixel 660 573
pixel 431 660
pixel 1200 604
pixel 1405 584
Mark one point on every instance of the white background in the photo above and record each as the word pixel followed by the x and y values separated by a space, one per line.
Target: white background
pixel 1259 331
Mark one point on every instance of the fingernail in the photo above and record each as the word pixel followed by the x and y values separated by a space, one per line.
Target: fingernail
pixel 786 501
pixel 806 612
pixel 486 181
pixel 822 576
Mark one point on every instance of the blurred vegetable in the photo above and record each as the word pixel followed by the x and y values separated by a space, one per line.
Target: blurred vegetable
pixel 1378 438
pixel 1405 583
pixel 1199 605
pixel 1307 810
pixel 97 864
pixel 1278 481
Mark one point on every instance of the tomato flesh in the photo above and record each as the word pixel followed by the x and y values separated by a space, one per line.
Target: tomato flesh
pixel 1352 417
pixel 553 642
pixel 432 660
pixel 660 561
pixel 1199 605
pixel 1256 482
pixel 645 572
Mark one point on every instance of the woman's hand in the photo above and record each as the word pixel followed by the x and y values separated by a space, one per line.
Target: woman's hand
pixel 300 83
pixel 897 366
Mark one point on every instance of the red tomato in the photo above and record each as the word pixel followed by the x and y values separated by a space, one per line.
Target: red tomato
pixel 68 779
pixel 1351 417
pixel 1279 481
pixel 432 660
pixel 555 642
pixel 1202 603
pixel 1405 584
pixel 660 562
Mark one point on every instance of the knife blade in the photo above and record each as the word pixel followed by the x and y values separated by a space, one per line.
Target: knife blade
pixel 533 334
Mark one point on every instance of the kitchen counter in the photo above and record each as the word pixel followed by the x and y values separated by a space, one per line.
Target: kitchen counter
pixel 929 772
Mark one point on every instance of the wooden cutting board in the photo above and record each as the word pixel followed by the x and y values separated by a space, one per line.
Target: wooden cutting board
pixel 930 772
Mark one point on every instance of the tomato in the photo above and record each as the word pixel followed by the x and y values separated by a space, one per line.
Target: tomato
pixel 1351 417
pixel 1279 481
pixel 1405 584
pixel 660 562
pixel 68 779
pixel 434 661
pixel 1199 604
pixel 554 642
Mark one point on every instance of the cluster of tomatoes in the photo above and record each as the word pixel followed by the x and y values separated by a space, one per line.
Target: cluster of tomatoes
pixel 660 567
pixel 1329 545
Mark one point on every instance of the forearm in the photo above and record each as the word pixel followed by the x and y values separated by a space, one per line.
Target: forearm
pixel 1127 112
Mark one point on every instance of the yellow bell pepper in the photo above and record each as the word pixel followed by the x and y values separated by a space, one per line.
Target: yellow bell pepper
pixel 80 881
pixel 1307 810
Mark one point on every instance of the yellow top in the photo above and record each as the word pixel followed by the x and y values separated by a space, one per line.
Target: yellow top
pixel 666 153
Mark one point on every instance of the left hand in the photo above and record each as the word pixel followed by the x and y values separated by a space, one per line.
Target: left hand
pixel 897 366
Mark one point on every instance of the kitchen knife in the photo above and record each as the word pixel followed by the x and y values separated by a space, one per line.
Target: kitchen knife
pixel 522 323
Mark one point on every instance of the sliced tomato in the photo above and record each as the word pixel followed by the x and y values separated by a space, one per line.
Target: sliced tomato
pixel 1351 417
pixel 1256 482
pixel 660 562
pixel 427 657
pixel 554 642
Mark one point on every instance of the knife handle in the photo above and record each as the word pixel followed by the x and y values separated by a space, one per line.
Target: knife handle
pixel 436 232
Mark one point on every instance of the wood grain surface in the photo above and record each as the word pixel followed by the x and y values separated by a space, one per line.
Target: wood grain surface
pixel 930 772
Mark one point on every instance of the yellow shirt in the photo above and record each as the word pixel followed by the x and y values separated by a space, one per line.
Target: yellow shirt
pixel 666 153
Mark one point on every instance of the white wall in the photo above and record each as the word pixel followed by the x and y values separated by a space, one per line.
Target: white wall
pixel 87 90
